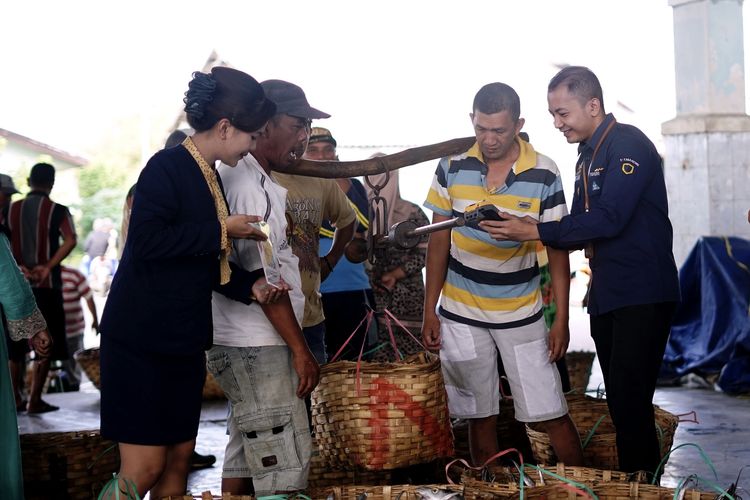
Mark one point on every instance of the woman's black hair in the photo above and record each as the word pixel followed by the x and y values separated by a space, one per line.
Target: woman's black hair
pixel 226 93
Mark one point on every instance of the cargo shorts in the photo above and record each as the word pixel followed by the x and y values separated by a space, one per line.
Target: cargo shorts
pixel 269 434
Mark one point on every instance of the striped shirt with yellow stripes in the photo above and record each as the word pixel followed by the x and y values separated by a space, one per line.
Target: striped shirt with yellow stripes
pixel 490 283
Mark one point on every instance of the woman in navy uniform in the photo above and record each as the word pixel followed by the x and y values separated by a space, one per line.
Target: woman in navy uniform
pixel 157 321
pixel 620 217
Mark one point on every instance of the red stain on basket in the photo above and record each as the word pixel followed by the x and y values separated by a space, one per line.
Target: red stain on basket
pixel 385 397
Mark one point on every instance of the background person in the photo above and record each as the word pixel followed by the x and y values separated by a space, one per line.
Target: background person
pixel 75 289
pixel 42 235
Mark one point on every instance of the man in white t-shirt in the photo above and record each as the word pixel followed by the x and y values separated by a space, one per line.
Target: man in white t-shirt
pixel 259 356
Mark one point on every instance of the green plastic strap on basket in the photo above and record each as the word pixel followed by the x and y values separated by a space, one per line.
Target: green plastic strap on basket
pixel 592 432
pixel 700 450
pixel 375 349
pixel 684 481
pixel 112 489
pixel 100 455
pixel 581 487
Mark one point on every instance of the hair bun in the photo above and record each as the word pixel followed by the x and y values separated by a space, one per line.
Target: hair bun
pixel 200 92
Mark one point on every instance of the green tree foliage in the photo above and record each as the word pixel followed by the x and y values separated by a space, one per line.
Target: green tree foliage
pixel 115 163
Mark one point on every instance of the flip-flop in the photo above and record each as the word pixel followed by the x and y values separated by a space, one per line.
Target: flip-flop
pixel 44 407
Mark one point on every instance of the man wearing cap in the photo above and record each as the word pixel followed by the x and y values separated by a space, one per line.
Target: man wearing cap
pixel 7 189
pixel 39 259
pixel 346 293
pixel 310 201
pixel 260 357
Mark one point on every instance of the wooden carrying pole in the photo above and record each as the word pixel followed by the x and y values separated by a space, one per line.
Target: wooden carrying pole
pixel 378 165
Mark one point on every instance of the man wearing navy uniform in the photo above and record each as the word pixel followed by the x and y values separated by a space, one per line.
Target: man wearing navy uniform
pixel 620 217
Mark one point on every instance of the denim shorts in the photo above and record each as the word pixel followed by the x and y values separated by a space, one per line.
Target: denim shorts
pixel 269 434
pixel 468 358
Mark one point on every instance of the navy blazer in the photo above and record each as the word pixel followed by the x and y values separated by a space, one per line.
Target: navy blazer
pixel 160 299
pixel 628 221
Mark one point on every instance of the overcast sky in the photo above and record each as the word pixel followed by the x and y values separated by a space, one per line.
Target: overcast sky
pixel 390 72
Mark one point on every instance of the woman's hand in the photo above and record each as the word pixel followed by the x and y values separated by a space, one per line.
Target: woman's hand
pixel 265 293
pixel 243 227
pixel 41 343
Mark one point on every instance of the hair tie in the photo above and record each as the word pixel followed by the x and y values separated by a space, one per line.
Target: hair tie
pixel 200 92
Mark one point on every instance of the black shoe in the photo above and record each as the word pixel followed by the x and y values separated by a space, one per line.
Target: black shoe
pixel 198 461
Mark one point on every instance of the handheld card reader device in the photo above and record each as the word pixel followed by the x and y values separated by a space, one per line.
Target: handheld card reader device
pixel 482 210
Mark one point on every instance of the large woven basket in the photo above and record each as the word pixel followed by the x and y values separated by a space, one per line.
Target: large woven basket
pixel 600 448
pixel 73 465
pixel 89 361
pixel 385 492
pixel 579 365
pixel 611 491
pixel 382 415
pixel 510 433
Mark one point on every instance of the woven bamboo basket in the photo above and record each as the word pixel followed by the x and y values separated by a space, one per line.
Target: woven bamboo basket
pixel 72 465
pixel 500 474
pixel 579 369
pixel 385 492
pixel 611 491
pixel 89 361
pixel 321 475
pixel 510 433
pixel 397 417
pixel 600 451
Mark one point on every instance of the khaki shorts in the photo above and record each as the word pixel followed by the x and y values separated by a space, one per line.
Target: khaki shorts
pixel 269 434
pixel 469 362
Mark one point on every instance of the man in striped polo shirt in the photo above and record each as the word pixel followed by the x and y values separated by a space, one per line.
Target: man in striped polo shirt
pixel 37 226
pixel 75 288
pixel 489 290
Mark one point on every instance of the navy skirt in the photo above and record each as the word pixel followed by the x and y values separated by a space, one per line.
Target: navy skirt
pixel 149 398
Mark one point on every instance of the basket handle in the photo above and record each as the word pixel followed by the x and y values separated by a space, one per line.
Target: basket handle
pixel 389 315
pixel 460 460
pixel 485 464
pixel 693 419
pixel 368 318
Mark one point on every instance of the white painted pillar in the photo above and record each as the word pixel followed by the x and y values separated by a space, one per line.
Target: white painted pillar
pixel 707 160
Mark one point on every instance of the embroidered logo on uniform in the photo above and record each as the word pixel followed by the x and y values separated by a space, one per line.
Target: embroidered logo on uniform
pixel 525 205
pixel 596 172
pixel 628 168
pixel 595 187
